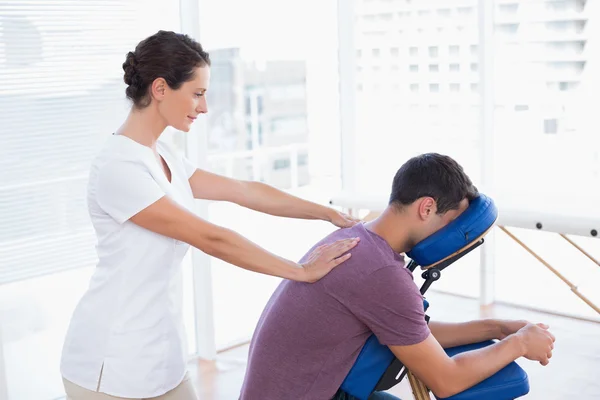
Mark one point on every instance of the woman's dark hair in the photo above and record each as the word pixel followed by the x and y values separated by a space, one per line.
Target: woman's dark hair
pixel 432 175
pixel 169 55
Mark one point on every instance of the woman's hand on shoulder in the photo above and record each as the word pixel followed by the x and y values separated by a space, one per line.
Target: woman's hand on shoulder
pixel 326 257
pixel 342 220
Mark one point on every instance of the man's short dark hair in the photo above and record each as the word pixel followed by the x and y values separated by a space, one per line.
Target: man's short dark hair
pixel 432 175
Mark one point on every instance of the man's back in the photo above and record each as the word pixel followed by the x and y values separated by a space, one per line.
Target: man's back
pixel 309 335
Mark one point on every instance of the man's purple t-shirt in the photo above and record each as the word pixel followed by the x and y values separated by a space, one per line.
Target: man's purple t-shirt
pixel 310 335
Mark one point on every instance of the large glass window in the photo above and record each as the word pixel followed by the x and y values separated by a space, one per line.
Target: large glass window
pixel 416 91
pixel 546 144
pixel 272 118
pixel 61 95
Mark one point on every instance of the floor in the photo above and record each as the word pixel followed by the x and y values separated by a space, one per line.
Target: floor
pixel 574 371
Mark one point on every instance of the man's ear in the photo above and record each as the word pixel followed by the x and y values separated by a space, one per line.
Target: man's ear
pixel 426 208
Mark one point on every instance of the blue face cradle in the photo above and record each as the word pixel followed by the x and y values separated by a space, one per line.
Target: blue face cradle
pixel 458 236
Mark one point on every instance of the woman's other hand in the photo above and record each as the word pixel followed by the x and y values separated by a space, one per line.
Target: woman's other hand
pixel 326 257
pixel 342 220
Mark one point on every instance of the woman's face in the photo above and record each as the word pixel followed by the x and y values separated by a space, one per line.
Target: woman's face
pixel 181 107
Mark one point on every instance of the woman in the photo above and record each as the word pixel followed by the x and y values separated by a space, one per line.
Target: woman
pixel 126 337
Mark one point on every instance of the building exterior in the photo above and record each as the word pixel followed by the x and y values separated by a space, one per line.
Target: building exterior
pixel 418 70
pixel 257 123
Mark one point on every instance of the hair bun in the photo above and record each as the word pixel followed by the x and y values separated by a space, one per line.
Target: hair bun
pixel 131 77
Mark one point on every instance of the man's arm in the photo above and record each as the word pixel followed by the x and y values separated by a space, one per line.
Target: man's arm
pixel 447 376
pixel 450 334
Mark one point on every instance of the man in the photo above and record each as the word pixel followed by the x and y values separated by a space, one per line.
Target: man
pixel 310 335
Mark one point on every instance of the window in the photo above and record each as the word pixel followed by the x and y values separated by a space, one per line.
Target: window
pixel 289 125
pixel 297 130
pixel 248 104
pixel 466 11
pixel 287 92
pixel 508 9
pixel 425 108
pixel 281 163
pixel 61 61
pixel 386 17
pixel 444 12
pixel 536 66
pixel 551 126
pixel 303 159
pixel 259 104
pixel 543 68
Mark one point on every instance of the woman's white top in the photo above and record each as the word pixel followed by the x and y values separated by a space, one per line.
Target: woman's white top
pixel 128 327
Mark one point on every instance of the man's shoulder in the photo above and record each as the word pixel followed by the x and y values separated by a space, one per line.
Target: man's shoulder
pixel 373 252
pixel 372 276
pixel 368 239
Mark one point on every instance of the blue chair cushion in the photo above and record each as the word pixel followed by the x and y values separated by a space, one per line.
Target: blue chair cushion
pixel 372 362
pixel 509 383
pixel 464 230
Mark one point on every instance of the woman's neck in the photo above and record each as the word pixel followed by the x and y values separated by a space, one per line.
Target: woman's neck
pixel 144 126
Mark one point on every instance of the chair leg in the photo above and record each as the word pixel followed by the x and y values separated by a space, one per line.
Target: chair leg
pixel 419 389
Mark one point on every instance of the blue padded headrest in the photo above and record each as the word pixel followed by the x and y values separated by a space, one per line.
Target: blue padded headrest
pixel 470 226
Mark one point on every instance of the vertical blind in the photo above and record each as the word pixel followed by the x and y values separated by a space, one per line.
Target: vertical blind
pixel 61 95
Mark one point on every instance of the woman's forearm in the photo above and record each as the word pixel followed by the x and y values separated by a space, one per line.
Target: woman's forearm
pixel 233 248
pixel 269 200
